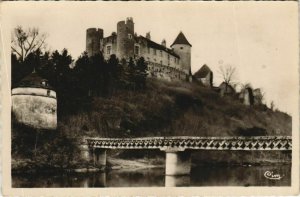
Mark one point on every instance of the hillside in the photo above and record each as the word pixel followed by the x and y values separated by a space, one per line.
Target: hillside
pixel 162 109
pixel 173 109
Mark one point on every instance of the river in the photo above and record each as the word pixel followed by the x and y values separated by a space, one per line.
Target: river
pixel 154 177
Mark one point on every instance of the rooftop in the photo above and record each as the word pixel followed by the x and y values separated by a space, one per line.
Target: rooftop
pixel 202 72
pixel 181 39
pixel 35 81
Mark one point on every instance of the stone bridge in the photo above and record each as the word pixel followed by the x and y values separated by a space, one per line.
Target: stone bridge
pixel 178 159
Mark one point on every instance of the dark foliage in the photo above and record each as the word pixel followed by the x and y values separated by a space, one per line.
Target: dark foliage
pixel 90 77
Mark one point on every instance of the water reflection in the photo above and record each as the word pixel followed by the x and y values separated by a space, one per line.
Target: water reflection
pixel 200 176
pixel 177 181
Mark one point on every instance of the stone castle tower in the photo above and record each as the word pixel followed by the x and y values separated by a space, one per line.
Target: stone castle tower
pixel 182 47
pixel 167 63
pixel 125 39
pixel 93 41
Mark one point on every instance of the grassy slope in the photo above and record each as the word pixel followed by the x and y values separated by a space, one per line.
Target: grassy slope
pixel 163 109
pixel 174 108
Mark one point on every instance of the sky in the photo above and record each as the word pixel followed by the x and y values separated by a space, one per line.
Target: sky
pixel 259 39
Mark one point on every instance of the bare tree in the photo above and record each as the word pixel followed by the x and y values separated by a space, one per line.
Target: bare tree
pixel 228 73
pixel 27 41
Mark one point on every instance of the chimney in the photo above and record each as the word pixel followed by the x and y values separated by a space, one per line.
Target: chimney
pixel 164 43
pixel 148 36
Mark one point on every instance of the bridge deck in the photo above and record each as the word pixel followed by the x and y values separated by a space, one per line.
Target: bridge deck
pixel 190 142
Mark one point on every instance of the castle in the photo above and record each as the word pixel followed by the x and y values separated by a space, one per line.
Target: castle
pixel 167 63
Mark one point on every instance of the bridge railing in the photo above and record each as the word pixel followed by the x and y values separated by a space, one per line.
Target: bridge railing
pixel 181 143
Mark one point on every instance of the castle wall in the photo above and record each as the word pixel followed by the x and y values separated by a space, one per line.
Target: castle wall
pixel 33 107
pixel 112 43
pixel 161 64
pixel 165 72
pixel 93 39
pixel 184 51
pixel 207 80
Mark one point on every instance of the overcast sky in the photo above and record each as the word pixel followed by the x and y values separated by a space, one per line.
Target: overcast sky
pixel 258 38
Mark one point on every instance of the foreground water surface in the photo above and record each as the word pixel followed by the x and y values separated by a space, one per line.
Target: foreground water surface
pixel 154 177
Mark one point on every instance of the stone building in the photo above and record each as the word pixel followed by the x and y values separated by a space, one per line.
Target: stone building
pixel 258 96
pixel 205 76
pixel 168 63
pixel 226 89
pixel 246 96
pixel 34 103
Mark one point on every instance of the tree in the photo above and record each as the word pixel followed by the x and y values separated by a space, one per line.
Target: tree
pixel 116 71
pixel 132 72
pixel 227 73
pixel 141 72
pixel 59 75
pixel 27 41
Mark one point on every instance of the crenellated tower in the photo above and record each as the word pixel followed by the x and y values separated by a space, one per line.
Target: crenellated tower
pixel 125 38
pixel 182 47
pixel 94 36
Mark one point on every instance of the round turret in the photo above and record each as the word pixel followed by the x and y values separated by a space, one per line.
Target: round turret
pixel 125 39
pixel 93 40
pixel 34 103
pixel 182 47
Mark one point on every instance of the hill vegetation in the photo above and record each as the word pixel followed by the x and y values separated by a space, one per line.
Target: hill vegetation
pixel 161 109
pixel 174 109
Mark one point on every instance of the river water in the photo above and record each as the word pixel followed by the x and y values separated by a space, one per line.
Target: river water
pixel 154 177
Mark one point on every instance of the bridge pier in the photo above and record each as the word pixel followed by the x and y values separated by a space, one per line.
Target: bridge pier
pixel 86 153
pixel 95 156
pixel 178 162
pixel 177 181
pixel 99 157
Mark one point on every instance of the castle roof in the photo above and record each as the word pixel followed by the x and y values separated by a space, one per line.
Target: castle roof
pixel 33 80
pixel 181 39
pixel 155 45
pixel 202 72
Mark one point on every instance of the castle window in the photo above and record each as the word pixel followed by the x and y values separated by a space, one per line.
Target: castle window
pixel 136 50
pixel 160 62
pixel 108 50
pixel 129 36
pixel 48 92
pixel 181 47
pixel 168 57
pixel 161 54
pixel 154 51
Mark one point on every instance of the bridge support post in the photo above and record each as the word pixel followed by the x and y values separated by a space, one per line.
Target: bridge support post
pixel 178 162
pixel 100 157
pixel 86 153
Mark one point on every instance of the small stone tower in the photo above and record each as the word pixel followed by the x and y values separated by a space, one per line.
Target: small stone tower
pixel 182 47
pixel 94 38
pixel 34 103
pixel 125 39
